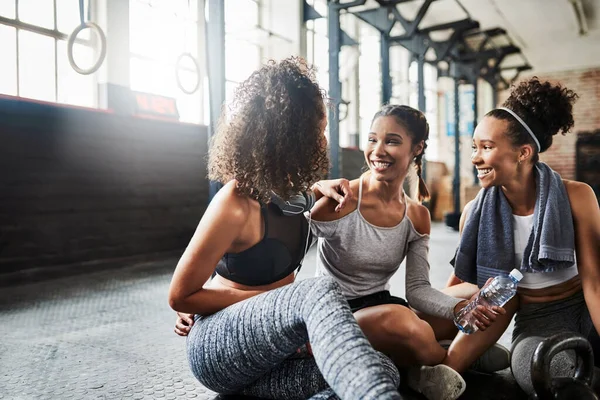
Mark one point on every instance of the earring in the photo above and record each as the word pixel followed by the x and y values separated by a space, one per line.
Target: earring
pixel 519 161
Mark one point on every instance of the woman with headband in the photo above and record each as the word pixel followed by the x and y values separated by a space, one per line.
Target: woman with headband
pixel 528 217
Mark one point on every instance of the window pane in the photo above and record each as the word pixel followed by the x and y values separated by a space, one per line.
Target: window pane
pixel 188 106
pixel 240 15
pixel 241 59
pixel 36 66
pixel 7 8
pixel 153 77
pixel 67 15
pixel 184 11
pixel 8 61
pixel 157 32
pixel 37 12
pixel 74 88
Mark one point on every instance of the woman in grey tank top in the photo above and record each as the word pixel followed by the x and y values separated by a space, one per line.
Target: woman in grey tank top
pixel 363 244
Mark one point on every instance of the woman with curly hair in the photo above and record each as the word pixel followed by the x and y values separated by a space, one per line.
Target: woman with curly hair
pixel 250 319
pixel 527 217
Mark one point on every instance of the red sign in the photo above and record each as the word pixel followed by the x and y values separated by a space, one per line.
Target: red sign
pixel 156 106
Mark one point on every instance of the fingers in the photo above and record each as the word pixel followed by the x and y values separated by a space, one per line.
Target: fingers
pixel 180 332
pixel 484 317
pixel 343 188
pixel 187 318
pixel 499 310
pixel 184 324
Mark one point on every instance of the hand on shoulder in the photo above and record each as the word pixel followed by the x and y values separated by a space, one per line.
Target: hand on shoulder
pixel 325 208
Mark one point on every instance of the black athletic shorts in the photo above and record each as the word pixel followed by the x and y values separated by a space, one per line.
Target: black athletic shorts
pixel 375 299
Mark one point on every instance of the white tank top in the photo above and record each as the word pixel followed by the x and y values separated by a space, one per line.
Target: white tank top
pixel 522 226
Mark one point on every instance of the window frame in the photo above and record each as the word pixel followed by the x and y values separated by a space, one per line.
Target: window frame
pixel 52 33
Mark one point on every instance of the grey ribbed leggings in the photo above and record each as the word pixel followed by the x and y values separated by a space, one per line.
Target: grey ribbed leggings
pixel 534 322
pixel 246 347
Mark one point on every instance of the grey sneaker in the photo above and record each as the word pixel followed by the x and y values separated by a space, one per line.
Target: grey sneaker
pixel 496 358
pixel 439 382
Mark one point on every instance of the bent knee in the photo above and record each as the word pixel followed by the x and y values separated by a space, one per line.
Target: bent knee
pixel 401 323
pixel 323 283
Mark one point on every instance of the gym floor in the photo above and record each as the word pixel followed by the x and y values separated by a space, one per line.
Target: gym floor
pixel 109 335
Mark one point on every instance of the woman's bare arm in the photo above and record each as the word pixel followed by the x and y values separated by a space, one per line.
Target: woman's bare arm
pixel 586 217
pixel 219 227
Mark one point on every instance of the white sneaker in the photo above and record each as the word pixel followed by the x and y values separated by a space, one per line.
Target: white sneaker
pixel 439 382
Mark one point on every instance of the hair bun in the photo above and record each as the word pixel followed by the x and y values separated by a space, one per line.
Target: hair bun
pixel 548 107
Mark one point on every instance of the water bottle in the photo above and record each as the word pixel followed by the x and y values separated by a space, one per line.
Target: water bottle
pixel 499 291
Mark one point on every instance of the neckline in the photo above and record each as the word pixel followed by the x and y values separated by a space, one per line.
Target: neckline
pixel 404 217
pixel 523 216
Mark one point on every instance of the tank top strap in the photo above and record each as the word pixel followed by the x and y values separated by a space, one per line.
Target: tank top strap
pixel 264 213
pixel 359 192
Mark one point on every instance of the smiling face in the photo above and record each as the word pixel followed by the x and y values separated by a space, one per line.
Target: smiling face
pixel 390 149
pixel 494 156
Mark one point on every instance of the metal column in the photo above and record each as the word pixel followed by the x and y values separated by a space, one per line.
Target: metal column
pixel 422 100
pixel 456 180
pixel 421 81
pixel 215 39
pixel 494 94
pixel 335 86
pixel 386 79
pixel 475 119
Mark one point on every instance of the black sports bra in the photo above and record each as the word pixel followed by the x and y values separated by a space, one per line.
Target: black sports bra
pixel 277 255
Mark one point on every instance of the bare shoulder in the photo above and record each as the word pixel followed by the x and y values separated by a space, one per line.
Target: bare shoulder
pixel 419 215
pixel 324 208
pixel 464 215
pixel 582 198
pixel 230 204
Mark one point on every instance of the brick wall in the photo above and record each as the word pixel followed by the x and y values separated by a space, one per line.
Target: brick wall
pixel 586 83
pixel 80 186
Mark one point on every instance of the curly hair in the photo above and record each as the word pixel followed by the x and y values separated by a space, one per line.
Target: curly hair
pixel 417 127
pixel 546 108
pixel 272 139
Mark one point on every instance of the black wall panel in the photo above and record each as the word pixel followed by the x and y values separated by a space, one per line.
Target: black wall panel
pixel 78 185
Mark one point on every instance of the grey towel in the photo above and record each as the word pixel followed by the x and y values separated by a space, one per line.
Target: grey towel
pixel 486 247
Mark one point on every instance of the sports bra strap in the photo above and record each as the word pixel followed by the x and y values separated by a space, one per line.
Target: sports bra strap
pixel 359 193
pixel 263 212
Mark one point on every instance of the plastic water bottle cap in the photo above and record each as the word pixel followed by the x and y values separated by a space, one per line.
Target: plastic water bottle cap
pixel 516 274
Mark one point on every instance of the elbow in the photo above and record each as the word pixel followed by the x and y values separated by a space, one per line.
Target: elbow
pixel 184 303
pixel 177 300
pixel 412 298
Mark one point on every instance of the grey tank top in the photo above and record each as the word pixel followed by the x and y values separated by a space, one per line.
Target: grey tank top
pixel 362 258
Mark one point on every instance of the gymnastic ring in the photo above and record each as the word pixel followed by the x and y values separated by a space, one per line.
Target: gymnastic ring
pixel 196 67
pixel 71 42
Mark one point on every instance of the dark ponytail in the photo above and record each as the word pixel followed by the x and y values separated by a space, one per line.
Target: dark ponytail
pixel 415 123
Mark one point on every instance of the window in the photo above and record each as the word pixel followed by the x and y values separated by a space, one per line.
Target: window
pixel 159 32
pixel 8 61
pixel 34 63
pixel 431 104
pixel 243 42
pixel 370 78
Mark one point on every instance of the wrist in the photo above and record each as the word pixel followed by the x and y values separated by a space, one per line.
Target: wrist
pixel 316 189
pixel 459 306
